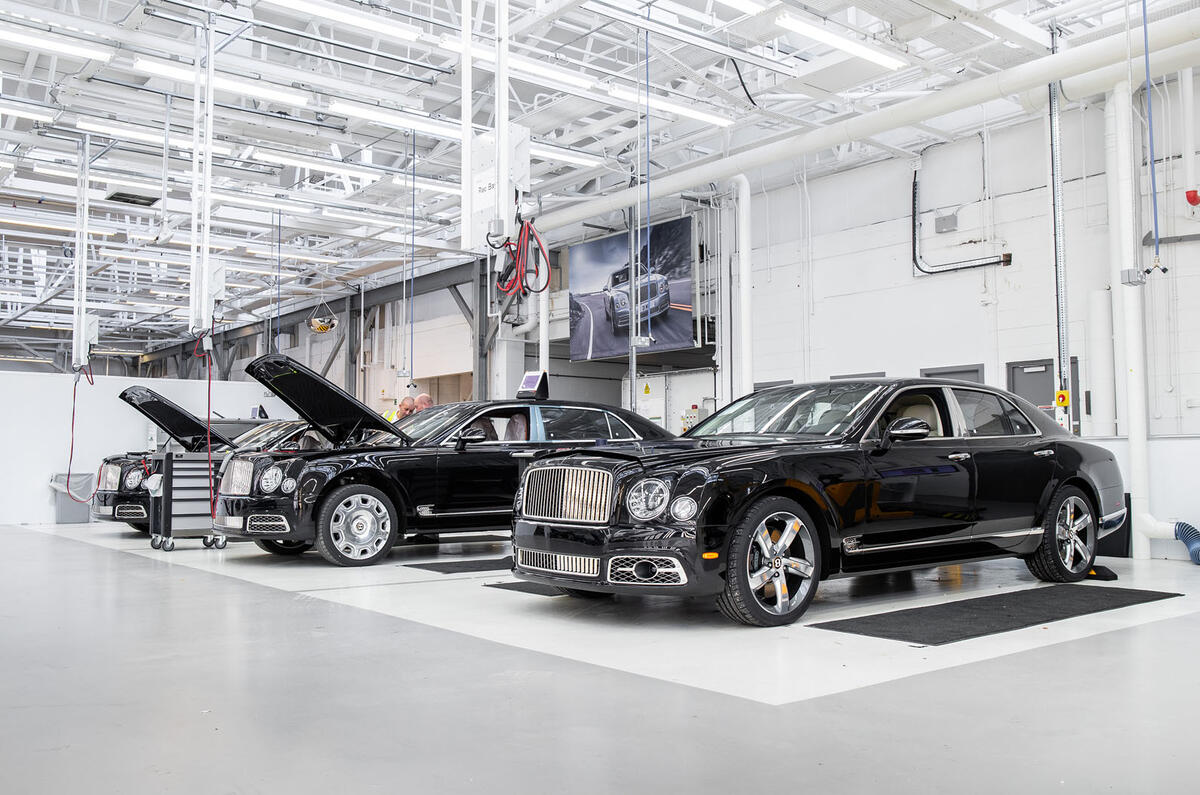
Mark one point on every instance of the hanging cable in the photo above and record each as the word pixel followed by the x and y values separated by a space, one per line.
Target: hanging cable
pixel 516 277
pixel 412 259
pixel 86 371
pixel 1150 130
pixel 738 71
pixel 207 357
pixel 646 179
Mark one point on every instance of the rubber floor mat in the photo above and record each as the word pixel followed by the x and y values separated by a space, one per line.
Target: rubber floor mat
pixel 466 566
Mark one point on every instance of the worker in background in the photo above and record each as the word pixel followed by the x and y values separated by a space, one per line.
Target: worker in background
pixel 407 407
pixel 424 401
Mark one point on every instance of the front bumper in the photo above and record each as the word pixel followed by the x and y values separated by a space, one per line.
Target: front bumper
pixel 261 517
pixel 1110 523
pixel 122 506
pixel 607 559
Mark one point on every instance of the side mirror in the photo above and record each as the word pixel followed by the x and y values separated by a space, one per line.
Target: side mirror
pixel 469 436
pixel 906 429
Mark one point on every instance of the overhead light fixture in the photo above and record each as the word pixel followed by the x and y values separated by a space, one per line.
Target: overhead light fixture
pixel 118 353
pixel 562 154
pixel 59 45
pixel 366 219
pixel 144 135
pixel 531 69
pixel 27 110
pixel 398 119
pixel 278 158
pixel 260 202
pixel 25 359
pixel 283 273
pixel 425 183
pixel 745 6
pixel 375 24
pixel 824 35
pixel 626 94
pixel 250 88
pixel 93 176
pixel 296 255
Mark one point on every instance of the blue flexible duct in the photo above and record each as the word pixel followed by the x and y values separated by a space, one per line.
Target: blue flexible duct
pixel 1190 536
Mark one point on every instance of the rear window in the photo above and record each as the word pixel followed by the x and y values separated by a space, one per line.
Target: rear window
pixel 563 423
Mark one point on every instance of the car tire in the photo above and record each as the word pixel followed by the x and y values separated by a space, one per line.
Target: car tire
pixel 775 543
pixel 283 548
pixel 1069 535
pixel 356 526
pixel 141 528
pixel 579 593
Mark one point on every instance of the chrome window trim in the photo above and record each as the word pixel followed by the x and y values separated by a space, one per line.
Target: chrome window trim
pixel 1000 397
pixel 608 414
pixel 956 416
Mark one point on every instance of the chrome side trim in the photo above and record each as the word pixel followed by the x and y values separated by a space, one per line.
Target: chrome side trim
pixel 1117 516
pixel 1032 531
pixel 427 511
pixel 853 544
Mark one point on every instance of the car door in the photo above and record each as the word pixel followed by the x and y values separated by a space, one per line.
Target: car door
pixel 476 484
pixel 1014 466
pixel 919 492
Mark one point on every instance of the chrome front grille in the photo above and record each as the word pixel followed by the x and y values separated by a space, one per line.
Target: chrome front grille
pixel 237 478
pixel 568 494
pixel 128 511
pixel 579 565
pixel 266 523
pixel 654 571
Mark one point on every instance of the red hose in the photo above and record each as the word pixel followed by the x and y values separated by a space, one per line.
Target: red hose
pixel 87 373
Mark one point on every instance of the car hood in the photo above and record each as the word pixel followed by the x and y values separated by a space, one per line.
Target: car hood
pixel 333 412
pixel 178 423
pixel 687 451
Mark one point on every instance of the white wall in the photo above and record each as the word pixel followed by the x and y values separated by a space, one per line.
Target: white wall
pixel 35 426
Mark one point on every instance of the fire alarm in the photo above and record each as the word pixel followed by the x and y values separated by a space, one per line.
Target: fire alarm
pixel 1193 197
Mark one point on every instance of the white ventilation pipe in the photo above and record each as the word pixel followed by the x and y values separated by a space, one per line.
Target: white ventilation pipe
pixel 1095 83
pixel 544 330
pixel 745 328
pixel 1099 341
pixel 1145 525
pixel 1187 91
pixel 1177 29
pixel 1115 263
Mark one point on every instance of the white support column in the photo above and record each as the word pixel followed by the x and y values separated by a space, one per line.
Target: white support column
pixel 1115 263
pixel 79 338
pixel 468 236
pixel 745 282
pixel 1187 92
pixel 504 202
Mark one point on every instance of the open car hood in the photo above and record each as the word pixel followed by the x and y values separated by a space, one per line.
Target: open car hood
pixel 333 412
pixel 180 424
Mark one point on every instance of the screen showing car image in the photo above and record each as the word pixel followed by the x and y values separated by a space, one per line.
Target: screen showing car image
pixel 601 294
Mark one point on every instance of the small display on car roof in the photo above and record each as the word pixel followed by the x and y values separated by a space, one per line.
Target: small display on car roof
pixel 535 385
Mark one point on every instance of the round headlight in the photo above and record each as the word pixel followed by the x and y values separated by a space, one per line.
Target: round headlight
pixel 289 485
pixel 647 499
pixel 270 479
pixel 683 509
pixel 133 479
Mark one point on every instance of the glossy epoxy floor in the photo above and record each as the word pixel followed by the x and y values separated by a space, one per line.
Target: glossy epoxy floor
pixel 128 670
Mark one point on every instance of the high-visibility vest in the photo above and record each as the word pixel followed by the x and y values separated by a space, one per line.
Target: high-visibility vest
pixel 391 416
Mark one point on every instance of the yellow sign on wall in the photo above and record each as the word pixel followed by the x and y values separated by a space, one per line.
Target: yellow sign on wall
pixel 1062 398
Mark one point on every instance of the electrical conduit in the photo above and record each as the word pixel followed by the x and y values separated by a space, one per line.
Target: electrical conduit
pixel 741 188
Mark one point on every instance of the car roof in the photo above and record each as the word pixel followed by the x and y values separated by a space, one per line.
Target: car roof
pixel 890 381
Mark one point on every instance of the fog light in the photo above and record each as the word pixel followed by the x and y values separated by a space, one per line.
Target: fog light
pixel 683 509
pixel 288 485
pixel 644 570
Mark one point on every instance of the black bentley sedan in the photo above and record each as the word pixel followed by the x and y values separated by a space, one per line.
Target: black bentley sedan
pixel 119 493
pixel 448 469
pixel 795 484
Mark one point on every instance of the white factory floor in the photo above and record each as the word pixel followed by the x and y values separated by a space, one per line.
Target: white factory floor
pixel 124 669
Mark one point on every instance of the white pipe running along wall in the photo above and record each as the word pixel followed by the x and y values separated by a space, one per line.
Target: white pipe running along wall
pixel 741 187
pixel 1095 83
pixel 1188 91
pixel 1165 33
pixel 1115 264
pixel 1101 374
pixel 1145 525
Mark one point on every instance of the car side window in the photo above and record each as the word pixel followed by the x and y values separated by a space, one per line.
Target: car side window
pixel 1021 426
pixel 564 423
pixel 923 404
pixel 982 412
pixel 617 429
pixel 503 425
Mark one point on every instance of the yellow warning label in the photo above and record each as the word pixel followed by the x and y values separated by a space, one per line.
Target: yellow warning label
pixel 646 391
pixel 1062 398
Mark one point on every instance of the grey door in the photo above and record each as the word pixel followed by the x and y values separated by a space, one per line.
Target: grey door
pixel 966 372
pixel 1034 381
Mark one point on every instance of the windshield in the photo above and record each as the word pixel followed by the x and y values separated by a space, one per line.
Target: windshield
pixel 431 422
pixel 823 410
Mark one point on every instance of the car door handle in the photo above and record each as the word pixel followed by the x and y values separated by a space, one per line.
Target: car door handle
pixel 1044 453
pixel 959 456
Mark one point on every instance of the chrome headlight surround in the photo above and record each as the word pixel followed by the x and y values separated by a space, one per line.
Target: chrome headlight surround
pixel 647 499
pixel 684 508
pixel 270 479
pixel 110 477
pixel 133 478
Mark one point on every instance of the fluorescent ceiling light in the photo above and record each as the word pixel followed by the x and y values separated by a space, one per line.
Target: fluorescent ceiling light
pixel 262 202
pixel 745 6
pixel 24 359
pixel 286 254
pixel 424 183
pixel 544 73
pixel 250 88
pixel 143 134
pixel 27 110
pixel 658 102
pixel 825 35
pixel 51 225
pixel 315 163
pixel 375 24
pixel 365 218
pixel 59 171
pixel 283 273
pixel 398 119
pixel 60 45
pixel 562 154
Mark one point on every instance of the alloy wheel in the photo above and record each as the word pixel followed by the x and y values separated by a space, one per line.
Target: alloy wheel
pixel 779 564
pixel 360 526
pixel 1075 534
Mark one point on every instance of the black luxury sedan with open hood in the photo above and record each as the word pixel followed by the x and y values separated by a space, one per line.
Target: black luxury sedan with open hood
pixel 795 484
pixel 120 495
pixel 448 469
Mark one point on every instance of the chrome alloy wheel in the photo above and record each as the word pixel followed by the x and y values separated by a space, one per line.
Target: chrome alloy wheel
pixel 360 526
pixel 1075 534
pixel 779 562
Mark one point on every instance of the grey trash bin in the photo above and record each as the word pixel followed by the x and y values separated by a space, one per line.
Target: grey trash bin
pixel 67 510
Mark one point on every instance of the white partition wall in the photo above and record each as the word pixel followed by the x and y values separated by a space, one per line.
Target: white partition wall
pixel 35 426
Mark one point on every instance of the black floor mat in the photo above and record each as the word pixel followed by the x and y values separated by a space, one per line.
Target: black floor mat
pixel 989 615
pixel 466 566
pixel 526 587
